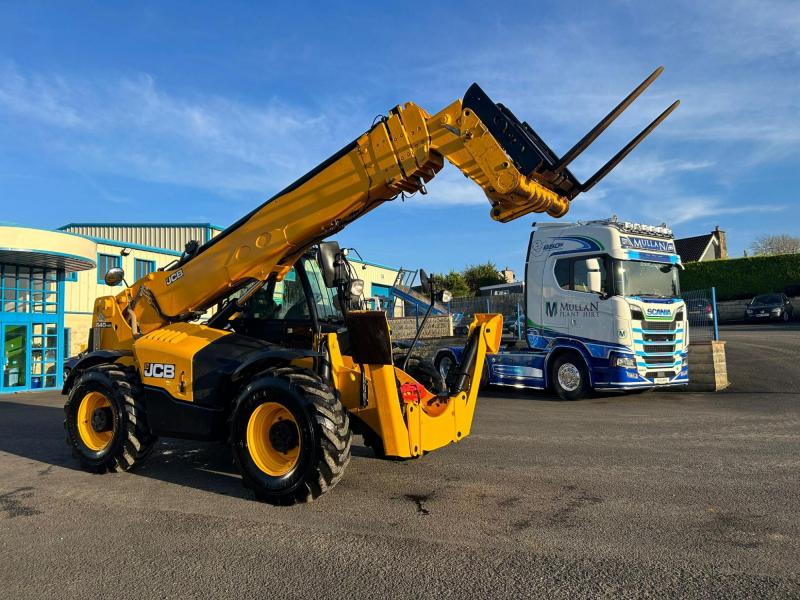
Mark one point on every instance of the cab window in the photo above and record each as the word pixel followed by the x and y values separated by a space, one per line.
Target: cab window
pixel 583 274
pixel 563 275
pixel 324 298
pixel 279 300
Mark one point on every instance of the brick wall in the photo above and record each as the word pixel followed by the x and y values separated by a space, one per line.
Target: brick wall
pixel 437 326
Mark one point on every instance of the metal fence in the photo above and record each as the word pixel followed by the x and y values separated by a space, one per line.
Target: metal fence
pixel 701 308
pixel 511 306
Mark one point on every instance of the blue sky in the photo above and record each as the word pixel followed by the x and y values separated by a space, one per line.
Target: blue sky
pixel 192 111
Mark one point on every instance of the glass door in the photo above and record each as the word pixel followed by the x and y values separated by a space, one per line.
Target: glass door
pixel 44 347
pixel 14 344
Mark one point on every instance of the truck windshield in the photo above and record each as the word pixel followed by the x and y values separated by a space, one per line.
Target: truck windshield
pixel 641 278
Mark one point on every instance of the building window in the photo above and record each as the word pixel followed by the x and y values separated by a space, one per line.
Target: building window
pixel 71 276
pixel 28 290
pixel 106 262
pixel 143 267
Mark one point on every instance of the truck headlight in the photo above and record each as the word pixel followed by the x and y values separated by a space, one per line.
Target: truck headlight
pixel 621 360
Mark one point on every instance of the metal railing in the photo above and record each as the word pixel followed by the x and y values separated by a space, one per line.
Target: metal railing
pixel 701 308
pixel 511 306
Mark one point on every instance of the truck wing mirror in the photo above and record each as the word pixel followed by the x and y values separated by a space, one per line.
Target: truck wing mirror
pixel 327 262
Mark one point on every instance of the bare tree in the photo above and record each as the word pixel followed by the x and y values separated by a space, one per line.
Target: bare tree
pixel 776 244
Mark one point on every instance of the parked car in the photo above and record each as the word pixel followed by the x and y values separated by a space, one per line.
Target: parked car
pixel 769 307
pixel 700 311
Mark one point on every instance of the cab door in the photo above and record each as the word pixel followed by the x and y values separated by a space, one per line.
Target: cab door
pixel 586 304
pixel 556 274
pixel 279 313
pixel 289 312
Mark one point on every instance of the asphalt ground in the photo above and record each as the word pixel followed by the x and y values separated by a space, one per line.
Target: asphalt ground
pixel 652 495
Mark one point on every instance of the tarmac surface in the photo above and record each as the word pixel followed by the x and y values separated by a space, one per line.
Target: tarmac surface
pixel 651 495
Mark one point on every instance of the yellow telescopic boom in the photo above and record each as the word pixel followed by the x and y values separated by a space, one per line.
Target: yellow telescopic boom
pixel 399 154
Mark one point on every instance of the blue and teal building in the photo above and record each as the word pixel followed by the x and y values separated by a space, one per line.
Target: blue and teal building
pixel 50 279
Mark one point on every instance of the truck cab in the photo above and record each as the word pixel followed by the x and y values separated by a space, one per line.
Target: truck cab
pixel 602 312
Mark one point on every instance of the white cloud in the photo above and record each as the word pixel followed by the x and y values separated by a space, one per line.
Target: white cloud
pixel 686 209
pixel 132 127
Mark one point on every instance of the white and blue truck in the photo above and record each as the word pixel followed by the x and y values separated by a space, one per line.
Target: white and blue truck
pixel 603 312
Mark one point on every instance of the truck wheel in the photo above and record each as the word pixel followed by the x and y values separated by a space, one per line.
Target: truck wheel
pixel 446 361
pixel 569 377
pixel 290 436
pixel 105 420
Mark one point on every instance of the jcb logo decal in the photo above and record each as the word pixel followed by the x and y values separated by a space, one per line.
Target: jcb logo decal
pixel 174 277
pixel 159 370
pixel 551 308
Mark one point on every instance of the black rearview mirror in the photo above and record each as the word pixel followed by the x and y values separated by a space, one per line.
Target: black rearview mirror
pixel 424 281
pixel 114 276
pixel 327 262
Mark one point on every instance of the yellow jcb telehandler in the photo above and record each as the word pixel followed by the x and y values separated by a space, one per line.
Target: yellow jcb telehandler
pixel 289 365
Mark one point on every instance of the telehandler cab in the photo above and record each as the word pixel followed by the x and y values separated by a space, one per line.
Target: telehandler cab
pixel 287 382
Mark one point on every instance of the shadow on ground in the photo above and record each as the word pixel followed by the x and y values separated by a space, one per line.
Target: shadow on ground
pixel 36 432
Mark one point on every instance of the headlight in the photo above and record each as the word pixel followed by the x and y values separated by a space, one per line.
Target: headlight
pixel 776 311
pixel 623 361
pixel 357 287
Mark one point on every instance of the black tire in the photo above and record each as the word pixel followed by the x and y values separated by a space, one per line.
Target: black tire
pixel 322 430
pixel 130 440
pixel 424 371
pixel 574 381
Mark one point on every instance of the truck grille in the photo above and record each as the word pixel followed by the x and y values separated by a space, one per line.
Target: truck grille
pixel 659 325
pixel 658 337
pixel 654 374
pixel 659 348
pixel 658 360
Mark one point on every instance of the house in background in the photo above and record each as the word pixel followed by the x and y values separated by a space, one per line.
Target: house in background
pixel 711 246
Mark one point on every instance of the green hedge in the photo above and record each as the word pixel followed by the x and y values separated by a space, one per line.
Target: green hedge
pixel 737 278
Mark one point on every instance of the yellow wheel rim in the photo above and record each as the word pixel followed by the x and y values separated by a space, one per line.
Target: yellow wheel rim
pixel 94 440
pixel 273 439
